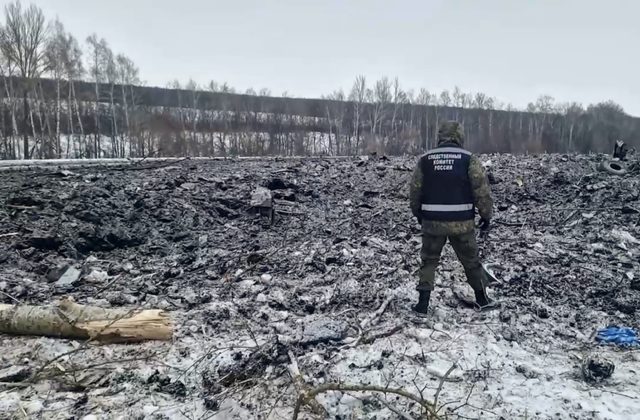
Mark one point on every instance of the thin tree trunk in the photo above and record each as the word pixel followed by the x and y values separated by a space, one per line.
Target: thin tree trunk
pixel 25 140
pixel 45 121
pixel 45 142
pixel 71 135
pixel 58 103
pixel 97 122
pixel 82 141
pixel 571 137
pixel 114 130
pixel 14 122
pixel 330 130
pixel 126 118
pixel 33 131
pixel 5 134
pixel 435 129
pixel 426 128
pixel 133 133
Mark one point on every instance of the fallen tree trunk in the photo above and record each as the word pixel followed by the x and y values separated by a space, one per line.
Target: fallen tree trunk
pixel 67 319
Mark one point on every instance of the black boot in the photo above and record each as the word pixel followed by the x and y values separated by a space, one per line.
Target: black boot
pixel 482 300
pixel 423 302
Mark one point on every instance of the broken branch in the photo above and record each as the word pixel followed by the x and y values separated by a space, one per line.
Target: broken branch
pixel 429 407
pixel 371 338
pixel 374 316
pixel 442 381
pixel 393 409
pixel 306 396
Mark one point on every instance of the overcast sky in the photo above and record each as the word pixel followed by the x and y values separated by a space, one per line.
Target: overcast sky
pixel 515 50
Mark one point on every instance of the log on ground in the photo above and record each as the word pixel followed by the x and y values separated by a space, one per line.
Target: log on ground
pixel 67 319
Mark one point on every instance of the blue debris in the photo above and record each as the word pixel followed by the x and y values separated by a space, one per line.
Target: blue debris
pixel 621 336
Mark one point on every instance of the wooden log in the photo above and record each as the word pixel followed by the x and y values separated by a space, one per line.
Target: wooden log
pixel 67 319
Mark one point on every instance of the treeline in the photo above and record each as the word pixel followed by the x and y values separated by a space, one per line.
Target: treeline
pixel 59 99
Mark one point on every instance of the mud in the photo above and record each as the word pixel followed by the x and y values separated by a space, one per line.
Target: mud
pixel 244 292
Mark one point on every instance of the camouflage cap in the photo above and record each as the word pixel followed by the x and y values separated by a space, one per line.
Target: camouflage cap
pixel 451 132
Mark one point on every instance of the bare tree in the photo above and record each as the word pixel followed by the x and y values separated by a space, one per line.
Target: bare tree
pixel 572 112
pixel 57 56
pixel 192 87
pixel 96 70
pixel 399 101
pixel 127 77
pixel 335 115
pixel 357 96
pixel 445 98
pixel 22 42
pixel 226 88
pixel 425 98
pixel 458 97
pixel 380 96
pixel 74 71
pixel 111 72
pixel 7 71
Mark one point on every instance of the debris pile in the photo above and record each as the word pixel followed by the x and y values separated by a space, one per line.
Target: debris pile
pixel 265 265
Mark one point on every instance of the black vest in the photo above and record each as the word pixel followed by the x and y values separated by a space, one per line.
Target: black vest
pixel 446 188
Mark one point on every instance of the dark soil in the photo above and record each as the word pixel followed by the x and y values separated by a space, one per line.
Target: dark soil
pixel 181 231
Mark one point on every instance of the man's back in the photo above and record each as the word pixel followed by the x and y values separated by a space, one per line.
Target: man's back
pixel 448 183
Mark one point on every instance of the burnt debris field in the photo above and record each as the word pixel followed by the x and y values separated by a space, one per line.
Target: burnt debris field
pixel 307 314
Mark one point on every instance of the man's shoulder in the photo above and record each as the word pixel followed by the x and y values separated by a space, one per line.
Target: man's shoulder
pixel 422 157
pixel 449 149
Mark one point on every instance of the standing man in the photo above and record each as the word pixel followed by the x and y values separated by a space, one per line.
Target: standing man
pixel 620 150
pixel 447 184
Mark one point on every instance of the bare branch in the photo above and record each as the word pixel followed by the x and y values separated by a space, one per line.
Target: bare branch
pixel 442 381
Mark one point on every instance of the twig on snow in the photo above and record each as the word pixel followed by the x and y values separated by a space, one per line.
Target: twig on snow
pixel 306 396
pixel 213 348
pixel 393 409
pixel 11 206
pixel 510 224
pixel 374 316
pixel 362 338
pixel 615 393
pixel 15 384
pixel 11 297
pixel 420 390
pixel 442 381
pixel 466 401
pixel 304 399
pixel 111 283
pixel 84 344
pixel 565 220
pixel 275 403
pixel 371 338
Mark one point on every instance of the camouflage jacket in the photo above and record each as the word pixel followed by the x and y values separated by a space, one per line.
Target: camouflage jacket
pixel 481 195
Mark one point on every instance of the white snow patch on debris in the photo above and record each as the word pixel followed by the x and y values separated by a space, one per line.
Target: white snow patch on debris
pixel 624 236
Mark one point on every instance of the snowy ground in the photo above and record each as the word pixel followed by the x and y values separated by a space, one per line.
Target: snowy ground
pixel 243 296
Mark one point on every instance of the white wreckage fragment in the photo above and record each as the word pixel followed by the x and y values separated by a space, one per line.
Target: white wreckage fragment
pixel 624 236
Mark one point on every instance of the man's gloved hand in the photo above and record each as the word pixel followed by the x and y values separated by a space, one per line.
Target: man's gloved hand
pixel 484 225
pixel 419 220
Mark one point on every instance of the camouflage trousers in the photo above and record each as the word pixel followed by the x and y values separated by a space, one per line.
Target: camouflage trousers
pixel 466 249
